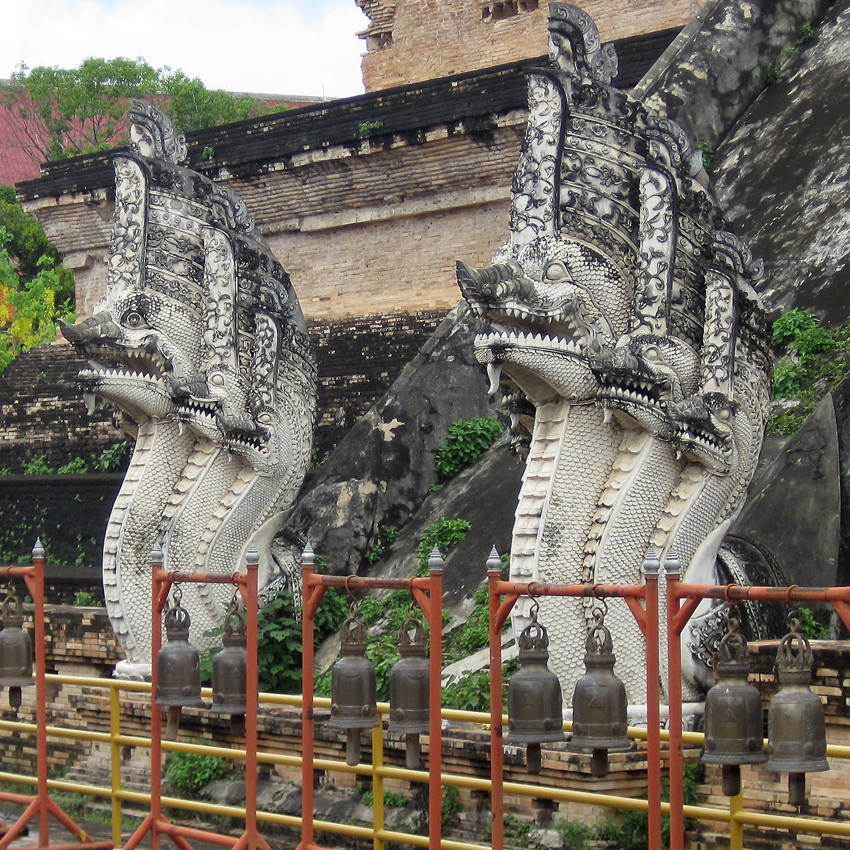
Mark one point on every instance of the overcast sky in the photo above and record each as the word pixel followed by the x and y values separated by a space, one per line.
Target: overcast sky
pixel 300 47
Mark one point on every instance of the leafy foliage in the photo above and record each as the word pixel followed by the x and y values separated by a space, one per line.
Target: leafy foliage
pixel 392 800
pixel 60 113
pixel 111 458
pixel 442 534
pixel 814 359
pixel 387 612
pixel 467 440
pixel 811 627
pixel 85 599
pixel 73 467
pixel 189 772
pixel 279 644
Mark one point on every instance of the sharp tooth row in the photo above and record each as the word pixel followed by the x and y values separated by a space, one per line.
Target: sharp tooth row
pixel 530 340
pixel 120 374
pixel 627 395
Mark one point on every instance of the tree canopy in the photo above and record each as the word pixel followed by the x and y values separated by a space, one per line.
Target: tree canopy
pixel 35 289
pixel 60 113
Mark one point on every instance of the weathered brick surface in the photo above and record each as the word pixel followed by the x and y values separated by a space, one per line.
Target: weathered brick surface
pixel 411 40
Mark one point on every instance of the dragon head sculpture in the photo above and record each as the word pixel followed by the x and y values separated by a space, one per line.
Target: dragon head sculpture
pixel 624 309
pixel 200 342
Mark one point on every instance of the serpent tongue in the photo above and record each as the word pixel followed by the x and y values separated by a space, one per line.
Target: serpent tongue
pixel 494 373
pixel 89 399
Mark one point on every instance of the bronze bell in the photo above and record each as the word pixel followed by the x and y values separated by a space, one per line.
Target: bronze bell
pixel 353 687
pixel 230 670
pixel 734 726
pixel 796 730
pixel 15 650
pixel 600 707
pixel 178 667
pixel 535 704
pixel 409 690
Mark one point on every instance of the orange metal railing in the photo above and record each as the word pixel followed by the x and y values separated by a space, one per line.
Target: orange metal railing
pixel 642 600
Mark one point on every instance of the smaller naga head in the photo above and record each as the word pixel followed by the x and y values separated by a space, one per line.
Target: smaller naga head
pixel 549 303
pixel 642 376
pixel 708 430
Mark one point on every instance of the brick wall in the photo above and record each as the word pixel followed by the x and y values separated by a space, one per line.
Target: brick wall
pixel 412 40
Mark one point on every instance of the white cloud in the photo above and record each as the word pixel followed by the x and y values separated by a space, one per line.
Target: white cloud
pixel 269 46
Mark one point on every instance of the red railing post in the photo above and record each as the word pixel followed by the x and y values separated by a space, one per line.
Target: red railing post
pixel 653 707
pixel 497 756
pixel 673 572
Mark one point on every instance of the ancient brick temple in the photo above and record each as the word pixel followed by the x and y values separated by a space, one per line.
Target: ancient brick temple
pixel 410 41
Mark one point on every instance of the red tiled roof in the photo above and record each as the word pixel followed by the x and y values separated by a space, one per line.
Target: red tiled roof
pixel 16 164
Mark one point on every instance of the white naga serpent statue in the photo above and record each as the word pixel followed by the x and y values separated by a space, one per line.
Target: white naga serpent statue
pixel 624 309
pixel 201 343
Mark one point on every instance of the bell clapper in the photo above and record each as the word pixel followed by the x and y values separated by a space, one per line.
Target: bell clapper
pixel 172 725
pixel 237 725
pixel 412 751
pixel 731 774
pixel 796 789
pixel 15 698
pixel 599 762
pixel 533 758
pixel 352 747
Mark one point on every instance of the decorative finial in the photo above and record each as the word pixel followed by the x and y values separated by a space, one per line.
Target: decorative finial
pixel 672 562
pixel 651 564
pixel 252 556
pixel 156 555
pixel 38 549
pixel 435 561
pixel 308 556
pixel 494 561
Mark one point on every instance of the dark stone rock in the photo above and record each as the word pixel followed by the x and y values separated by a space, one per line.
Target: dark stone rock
pixel 381 472
pixel 841 399
pixel 485 495
pixel 713 69
pixel 783 176
pixel 794 506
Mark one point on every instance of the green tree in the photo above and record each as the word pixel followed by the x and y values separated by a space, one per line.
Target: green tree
pixel 60 113
pixel 35 289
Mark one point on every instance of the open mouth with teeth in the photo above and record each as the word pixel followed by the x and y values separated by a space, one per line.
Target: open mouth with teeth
pixel 693 439
pixel 109 367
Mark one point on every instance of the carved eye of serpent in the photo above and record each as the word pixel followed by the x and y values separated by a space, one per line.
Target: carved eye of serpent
pixel 556 271
pixel 134 319
pixel 652 354
pixel 724 413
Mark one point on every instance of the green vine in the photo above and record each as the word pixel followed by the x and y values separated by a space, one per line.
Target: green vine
pixel 813 359
pixel 467 440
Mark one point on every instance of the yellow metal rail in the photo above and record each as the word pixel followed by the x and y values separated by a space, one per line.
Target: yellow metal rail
pixel 735 816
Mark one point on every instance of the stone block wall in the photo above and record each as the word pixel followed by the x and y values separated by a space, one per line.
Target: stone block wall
pixel 412 40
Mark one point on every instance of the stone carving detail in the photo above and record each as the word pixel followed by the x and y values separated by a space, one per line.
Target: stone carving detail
pixel 625 311
pixel 201 343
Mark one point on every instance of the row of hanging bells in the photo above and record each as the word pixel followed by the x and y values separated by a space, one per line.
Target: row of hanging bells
pixel 535 711
pixel 796 728
pixel 354 691
pixel 178 667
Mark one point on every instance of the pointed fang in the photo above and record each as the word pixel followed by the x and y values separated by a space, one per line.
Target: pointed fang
pixel 494 373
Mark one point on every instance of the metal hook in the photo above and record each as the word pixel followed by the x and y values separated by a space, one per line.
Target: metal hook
pixel 177 595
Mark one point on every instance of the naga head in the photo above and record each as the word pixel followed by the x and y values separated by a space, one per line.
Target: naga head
pixel 198 310
pixel 549 303
pixel 709 430
pixel 642 377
